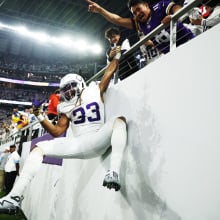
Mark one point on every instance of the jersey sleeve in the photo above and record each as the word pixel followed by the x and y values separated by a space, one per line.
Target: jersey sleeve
pixel 165 6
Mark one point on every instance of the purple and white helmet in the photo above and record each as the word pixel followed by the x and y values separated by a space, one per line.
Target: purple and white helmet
pixel 71 86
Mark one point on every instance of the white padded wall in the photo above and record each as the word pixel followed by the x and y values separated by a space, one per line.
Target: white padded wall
pixel 171 166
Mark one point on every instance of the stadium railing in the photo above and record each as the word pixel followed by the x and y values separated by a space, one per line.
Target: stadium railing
pixel 174 18
pixel 179 16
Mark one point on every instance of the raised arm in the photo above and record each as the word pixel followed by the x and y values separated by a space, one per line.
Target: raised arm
pixel 103 85
pixel 109 16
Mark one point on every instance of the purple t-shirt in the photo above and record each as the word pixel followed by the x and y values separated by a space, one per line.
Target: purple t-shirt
pixel 162 40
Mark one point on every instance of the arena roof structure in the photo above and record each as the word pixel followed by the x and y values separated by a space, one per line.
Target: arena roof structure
pixel 55 17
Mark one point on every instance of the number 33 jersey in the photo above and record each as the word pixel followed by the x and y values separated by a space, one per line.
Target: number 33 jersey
pixel 88 114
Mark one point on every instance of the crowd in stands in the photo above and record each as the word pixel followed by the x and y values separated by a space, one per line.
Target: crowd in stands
pixel 17 119
pixel 5 115
pixel 23 68
pixel 14 119
pixel 23 94
pixel 8 119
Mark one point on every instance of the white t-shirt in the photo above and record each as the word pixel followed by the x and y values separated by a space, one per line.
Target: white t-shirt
pixel 13 159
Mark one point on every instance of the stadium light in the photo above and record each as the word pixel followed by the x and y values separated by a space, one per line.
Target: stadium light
pixel 21 30
pixel 66 41
pixel 81 45
pixel 96 49
pixel 40 36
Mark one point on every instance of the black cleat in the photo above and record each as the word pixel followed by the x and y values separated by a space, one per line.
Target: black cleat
pixel 10 205
pixel 111 181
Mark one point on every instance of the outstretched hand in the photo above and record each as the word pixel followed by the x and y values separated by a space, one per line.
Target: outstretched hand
pixel 36 105
pixel 36 111
pixel 93 7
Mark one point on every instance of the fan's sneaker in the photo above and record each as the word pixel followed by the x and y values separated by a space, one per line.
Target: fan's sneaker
pixel 10 204
pixel 111 180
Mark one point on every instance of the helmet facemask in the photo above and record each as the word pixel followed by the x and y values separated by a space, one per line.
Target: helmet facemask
pixel 70 91
pixel 71 87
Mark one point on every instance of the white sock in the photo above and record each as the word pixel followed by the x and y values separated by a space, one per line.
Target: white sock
pixel 118 142
pixel 31 167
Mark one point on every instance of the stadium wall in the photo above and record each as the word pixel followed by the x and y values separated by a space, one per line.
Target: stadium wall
pixel 171 166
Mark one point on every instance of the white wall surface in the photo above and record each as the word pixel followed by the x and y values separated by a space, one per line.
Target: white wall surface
pixel 171 168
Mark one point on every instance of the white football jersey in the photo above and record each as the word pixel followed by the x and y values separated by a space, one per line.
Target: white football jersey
pixel 88 114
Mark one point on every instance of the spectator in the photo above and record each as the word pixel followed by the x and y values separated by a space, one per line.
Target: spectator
pixel 24 134
pixel 126 67
pixel 194 13
pixel 54 100
pixel 204 11
pixel 11 168
pixel 212 15
pixel 146 18
pixel 36 127
pixel 15 115
pixel 23 121
pixel 3 159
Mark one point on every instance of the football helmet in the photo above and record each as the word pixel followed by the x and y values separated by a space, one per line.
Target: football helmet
pixel 71 86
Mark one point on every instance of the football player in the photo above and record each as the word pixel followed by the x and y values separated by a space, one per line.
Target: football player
pixel 82 109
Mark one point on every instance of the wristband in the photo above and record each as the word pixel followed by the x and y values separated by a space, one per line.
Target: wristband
pixel 40 117
pixel 118 56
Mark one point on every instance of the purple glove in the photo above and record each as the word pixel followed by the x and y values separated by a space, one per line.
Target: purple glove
pixel 36 103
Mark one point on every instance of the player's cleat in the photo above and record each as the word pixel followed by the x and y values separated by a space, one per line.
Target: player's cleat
pixel 111 180
pixel 10 204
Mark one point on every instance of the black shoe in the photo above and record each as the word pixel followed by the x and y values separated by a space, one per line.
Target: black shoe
pixel 10 204
pixel 111 181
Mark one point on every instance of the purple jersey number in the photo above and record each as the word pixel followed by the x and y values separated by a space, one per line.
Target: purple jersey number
pixel 80 113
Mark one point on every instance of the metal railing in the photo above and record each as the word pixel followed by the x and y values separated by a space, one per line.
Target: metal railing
pixel 174 18
pixel 16 136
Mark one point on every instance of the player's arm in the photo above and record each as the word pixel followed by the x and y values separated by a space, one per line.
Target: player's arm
pixel 59 128
pixel 54 130
pixel 103 85
pixel 109 16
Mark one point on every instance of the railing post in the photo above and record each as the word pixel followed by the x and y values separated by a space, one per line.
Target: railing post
pixel 116 76
pixel 172 34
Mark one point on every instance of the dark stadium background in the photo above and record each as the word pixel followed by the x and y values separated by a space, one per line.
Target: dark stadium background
pixel 54 17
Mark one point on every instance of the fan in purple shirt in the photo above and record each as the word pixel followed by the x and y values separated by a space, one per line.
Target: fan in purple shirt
pixel 162 40
pixel 146 18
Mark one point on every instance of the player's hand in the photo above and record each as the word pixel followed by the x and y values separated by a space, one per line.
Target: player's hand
pixel 36 105
pixel 36 111
pixel 93 7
